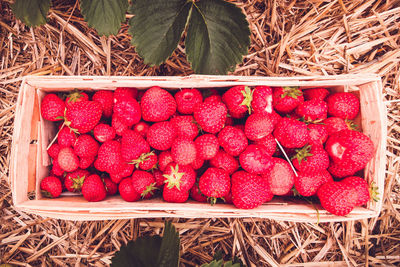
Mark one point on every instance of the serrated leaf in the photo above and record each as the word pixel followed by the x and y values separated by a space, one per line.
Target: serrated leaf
pixel 157 27
pixel 214 263
pixel 170 246
pixel 218 36
pixel 31 12
pixel 105 16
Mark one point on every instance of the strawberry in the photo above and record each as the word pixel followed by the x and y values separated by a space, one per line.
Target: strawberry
pixel 225 161
pixel 103 132
pixel 56 170
pixel 213 98
pixel 128 110
pixel 258 126
pixel 197 163
pixel 66 137
pixel 127 191
pixel 229 121
pixel 75 97
pixel 125 92
pixel 310 159
pixel 133 145
pixel 291 133
pixel 316 93
pixel 146 161
pixel 157 104
pixel 187 99
pixel 51 187
pixel 67 159
pixel 118 124
pixel 196 194
pixel 215 183
pixel 280 177
pixel 106 101
pixel 364 191
pixel 83 116
pixel 238 100
pixel 211 116
pixel 158 176
pixel 175 195
pixel 318 133
pixel 164 159
pixel 249 190
pixel 228 198
pixel 161 135
pixel 185 126
pixel 312 110
pixel 308 183
pixel 262 100
pixel 53 150
pixel 342 170
pixel 93 189
pixel 86 162
pixel 207 146
pixel 335 124
pixel 286 99
pixel 86 146
pixel 268 142
pixel 182 177
pixel 343 105
pixel 126 170
pixel 337 198
pixel 142 128
pixel 144 183
pixel 52 108
pixel 109 158
pixel 232 140
pixel 255 160
pixel 110 186
pixel 183 151
pixel 74 180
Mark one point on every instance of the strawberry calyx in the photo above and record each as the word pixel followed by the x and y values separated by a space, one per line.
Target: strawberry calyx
pixel 74 96
pixel 373 192
pixel 212 200
pixel 292 92
pixel 149 190
pixel 248 98
pixel 144 157
pixel 174 179
pixel 351 125
pixel 47 194
pixel 78 182
pixel 303 153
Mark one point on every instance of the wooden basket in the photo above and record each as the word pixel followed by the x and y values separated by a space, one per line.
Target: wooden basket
pixel 30 162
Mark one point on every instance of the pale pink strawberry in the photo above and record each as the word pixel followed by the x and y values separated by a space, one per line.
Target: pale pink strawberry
pixel 106 100
pixel 280 177
pixel 183 151
pixel 142 128
pixel 185 126
pixel 67 159
pixel 207 146
pixel 164 159
pixel 318 134
pixel 161 135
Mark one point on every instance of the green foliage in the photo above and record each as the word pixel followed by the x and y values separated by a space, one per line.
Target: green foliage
pixel 31 12
pixel 221 263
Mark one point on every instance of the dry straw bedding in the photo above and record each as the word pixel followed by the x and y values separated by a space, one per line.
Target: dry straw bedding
pixel 288 38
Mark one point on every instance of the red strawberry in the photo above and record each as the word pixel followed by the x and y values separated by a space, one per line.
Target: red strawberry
pixel 175 195
pixel 310 159
pixel 110 186
pixel 228 198
pixel 93 189
pixel 146 161
pixel 66 137
pixel 142 128
pixel 52 108
pixel 364 191
pixel 343 105
pixel 318 134
pixel 255 159
pixel 67 159
pixel 86 146
pixel 262 100
pixel 308 183
pixel 337 198
pixel 53 150
pixel 182 177
pixel 185 126
pixel 127 191
pixel 213 98
pixel 103 132
pixel 196 194
pixel 215 183
pixel 128 110
pixel 197 163
pixel 75 97
pixel 109 158
pixel 126 171
pixel 286 99
pixel 118 124
pixel 211 116
pixel 238 100
pixel 164 159
pixel 316 93
pixel 133 145
pixel 183 151
pixel 291 133
pixel 340 171
pixel 187 99
pixel 159 177
pixel 161 135
pixel 144 183
pixel 83 116
pixel 280 177
pixel 268 142
pixel 258 126
pixel 207 146
pixel 335 124
pixel 232 140
pixel 225 161
pixel 312 110
pixel 157 104
pixel 51 187
pixel 249 190
pixel 74 180
pixel 86 162
pixel 56 170
pixel 106 100
pixel 124 93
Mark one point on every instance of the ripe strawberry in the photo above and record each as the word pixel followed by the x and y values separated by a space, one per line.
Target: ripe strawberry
pixel 262 100
pixel 144 183
pixel 249 190
pixel 268 142
pixel 286 99
pixel 364 192
pixel 197 163
pixel 66 137
pixel 142 128
pixel 93 189
pixel 225 161
pixel 161 135
pixel 291 133
pixel 86 162
pixel 185 126
pixel 109 158
pixel 342 170
pixel 308 183
pixel 146 161
pixel 175 195
pixel 56 169
pixel 67 159
pixel 343 105
pixel 213 98
pixel 196 194
pixel 75 97
pixel 312 110
pixel 280 177
pixel 74 180
pixel 187 99
pixel 127 191
pixel 215 183
pixel 258 126
pixel 335 124
pixel 52 108
pixel 110 186
pixel 83 116
pixel 124 93
pixel 159 177
pixel 164 159
pixel 232 140
pixel 86 146
pixel 316 93
pixel 126 170
pixel 255 160
pixel 128 110
pixel 238 100
pixel 183 151
pixel 118 124
pixel 311 159
pixel 133 145
pixel 53 150
pixel 228 198
pixel 337 198
pixel 207 146
pixel 182 177
pixel 106 100
pixel 318 134
pixel 157 104
pixel 51 187
pixel 103 132
pixel 211 116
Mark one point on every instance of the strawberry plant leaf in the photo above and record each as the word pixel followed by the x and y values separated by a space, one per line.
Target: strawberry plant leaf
pixel 169 251
pixel 104 15
pixel 157 27
pixel 218 36
pixel 31 12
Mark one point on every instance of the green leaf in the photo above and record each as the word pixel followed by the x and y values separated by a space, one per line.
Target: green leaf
pixel 218 36
pixel 104 15
pixel 157 27
pixel 169 251
pixel 214 263
pixel 31 12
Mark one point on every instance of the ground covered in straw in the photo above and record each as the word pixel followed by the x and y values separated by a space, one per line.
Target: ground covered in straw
pixel 289 37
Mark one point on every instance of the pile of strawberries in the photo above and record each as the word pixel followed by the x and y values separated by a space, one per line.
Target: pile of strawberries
pixel 209 147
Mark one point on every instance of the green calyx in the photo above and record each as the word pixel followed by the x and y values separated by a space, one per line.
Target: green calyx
pixel 292 92
pixel 174 179
pixel 351 125
pixel 373 192
pixel 149 190
pixel 302 153
pixel 47 194
pixel 144 157
pixel 212 200
pixel 74 96
pixel 78 182
pixel 248 97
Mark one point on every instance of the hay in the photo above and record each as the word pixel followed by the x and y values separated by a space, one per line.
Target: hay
pixel 288 38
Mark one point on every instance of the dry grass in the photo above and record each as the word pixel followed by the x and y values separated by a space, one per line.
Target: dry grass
pixel 288 38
